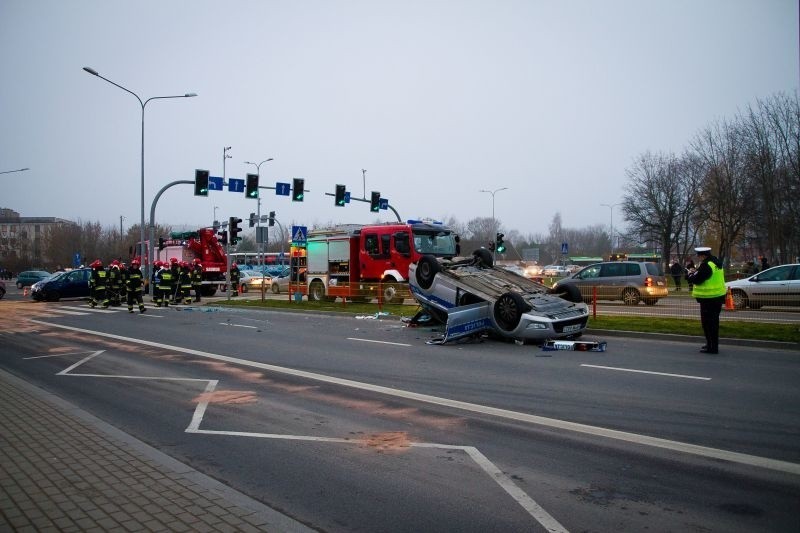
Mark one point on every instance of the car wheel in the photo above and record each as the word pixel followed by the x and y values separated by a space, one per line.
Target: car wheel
pixel 630 297
pixel 244 288
pixel 53 296
pixel 739 299
pixel 427 267
pixel 569 292
pixel 316 291
pixel 508 310
pixel 275 288
pixel 484 256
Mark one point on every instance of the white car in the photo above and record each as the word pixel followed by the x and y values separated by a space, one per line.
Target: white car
pixel 470 295
pixel 778 285
pixel 555 270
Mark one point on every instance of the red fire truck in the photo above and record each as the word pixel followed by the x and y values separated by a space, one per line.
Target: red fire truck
pixel 201 244
pixel 364 262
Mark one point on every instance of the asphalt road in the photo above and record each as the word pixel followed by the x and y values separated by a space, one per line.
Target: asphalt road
pixel 353 424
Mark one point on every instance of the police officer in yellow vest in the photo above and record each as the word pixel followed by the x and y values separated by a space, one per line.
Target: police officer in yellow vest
pixel 709 290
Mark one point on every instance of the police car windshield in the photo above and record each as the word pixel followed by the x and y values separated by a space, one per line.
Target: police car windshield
pixel 440 243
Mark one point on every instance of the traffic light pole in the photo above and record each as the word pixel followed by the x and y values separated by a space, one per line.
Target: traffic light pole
pixel 148 274
pixel 367 201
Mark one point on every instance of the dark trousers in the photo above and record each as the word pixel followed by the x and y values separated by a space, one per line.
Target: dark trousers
pixel 135 297
pixel 710 309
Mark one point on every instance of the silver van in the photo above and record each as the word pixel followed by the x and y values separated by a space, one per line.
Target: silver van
pixel 629 281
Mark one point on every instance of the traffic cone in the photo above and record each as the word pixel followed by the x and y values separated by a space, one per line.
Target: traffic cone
pixel 729 301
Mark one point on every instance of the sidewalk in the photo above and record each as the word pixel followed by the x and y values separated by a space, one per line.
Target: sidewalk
pixel 62 469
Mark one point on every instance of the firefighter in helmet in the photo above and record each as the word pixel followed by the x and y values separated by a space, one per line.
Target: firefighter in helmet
pixel 185 282
pixel 115 287
pixel 165 284
pixel 98 285
pixel 175 270
pixel 133 285
pixel 234 279
pixel 197 278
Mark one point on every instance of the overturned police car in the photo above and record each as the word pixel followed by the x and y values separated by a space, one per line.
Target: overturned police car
pixel 470 296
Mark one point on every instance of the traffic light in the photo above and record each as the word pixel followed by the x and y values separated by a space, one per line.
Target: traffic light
pixel 201 182
pixel 223 237
pixel 234 229
pixel 252 219
pixel 297 189
pixel 500 247
pixel 375 202
pixel 161 243
pixel 340 200
pixel 251 186
pixel 271 218
pixel 216 226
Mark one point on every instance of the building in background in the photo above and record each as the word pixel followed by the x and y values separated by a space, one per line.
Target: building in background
pixel 22 239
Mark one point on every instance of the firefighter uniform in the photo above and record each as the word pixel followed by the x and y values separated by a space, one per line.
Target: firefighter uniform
pixel 197 279
pixel 115 287
pixel 133 285
pixel 165 284
pixel 185 282
pixel 175 270
pixel 98 285
pixel 234 277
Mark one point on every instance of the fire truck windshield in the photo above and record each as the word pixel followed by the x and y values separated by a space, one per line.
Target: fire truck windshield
pixel 439 243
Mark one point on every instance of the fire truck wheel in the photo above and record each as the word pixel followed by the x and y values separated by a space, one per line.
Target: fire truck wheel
pixel 508 310
pixel 570 293
pixel 316 291
pixel 427 267
pixel 485 257
pixel 391 293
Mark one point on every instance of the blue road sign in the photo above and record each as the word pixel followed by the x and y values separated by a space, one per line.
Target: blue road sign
pixel 384 203
pixel 76 260
pixel 235 185
pixel 283 189
pixel 564 248
pixel 299 234
pixel 215 183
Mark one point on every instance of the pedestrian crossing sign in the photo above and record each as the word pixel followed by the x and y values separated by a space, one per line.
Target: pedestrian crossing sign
pixel 299 234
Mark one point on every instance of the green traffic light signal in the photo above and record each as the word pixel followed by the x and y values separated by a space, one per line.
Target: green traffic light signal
pixel 298 185
pixel 500 246
pixel 375 202
pixel 201 182
pixel 251 186
pixel 340 195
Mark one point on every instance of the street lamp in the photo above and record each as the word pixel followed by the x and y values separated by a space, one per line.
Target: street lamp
pixel 258 213
pixel 611 207
pixel 17 170
pixel 494 223
pixel 148 268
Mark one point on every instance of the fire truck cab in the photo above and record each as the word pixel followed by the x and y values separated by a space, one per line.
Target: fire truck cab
pixel 362 262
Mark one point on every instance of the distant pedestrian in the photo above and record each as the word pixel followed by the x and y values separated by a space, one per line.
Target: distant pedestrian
pixel 709 291
pixel 197 279
pixel 764 263
pixel 676 271
pixel 689 267
pixel 235 276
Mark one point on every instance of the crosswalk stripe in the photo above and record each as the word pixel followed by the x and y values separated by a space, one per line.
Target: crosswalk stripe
pixel 92 310
pixel 66 312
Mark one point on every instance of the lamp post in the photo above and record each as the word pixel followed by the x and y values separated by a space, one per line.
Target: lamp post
pixel 494 222
pixel 258 213
pixel 17 170
pixel 143 104
pixel 611 225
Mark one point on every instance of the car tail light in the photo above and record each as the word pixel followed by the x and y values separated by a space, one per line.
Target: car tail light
pixel 648 282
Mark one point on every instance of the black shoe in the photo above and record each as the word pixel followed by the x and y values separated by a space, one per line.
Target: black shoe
pixel 142 310
pixel 130 310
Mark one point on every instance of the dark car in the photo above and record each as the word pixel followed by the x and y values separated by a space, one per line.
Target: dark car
pixel 29 277
pixel 72 284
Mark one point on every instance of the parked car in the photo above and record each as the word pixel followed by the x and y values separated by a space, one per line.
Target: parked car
pixel 72 284
pixel 555 270
pixel 251 280
pixel 778 285
pixel 2 289
pixel 280 283
pixel 629 281
pixel 29 277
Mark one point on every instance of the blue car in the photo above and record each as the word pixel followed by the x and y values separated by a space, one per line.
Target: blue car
pixel 72 284
pixel 29 277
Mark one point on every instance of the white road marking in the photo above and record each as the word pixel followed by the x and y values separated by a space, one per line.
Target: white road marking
pixel 647 372
pixel 91 309
pixel 378 342
pixel 71 313
pixel 624 436
pixel 237 325
pixel 502 479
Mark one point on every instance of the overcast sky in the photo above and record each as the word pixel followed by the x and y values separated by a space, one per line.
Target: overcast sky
pixel 435 99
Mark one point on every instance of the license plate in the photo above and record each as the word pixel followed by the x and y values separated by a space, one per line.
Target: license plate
pixel 570 329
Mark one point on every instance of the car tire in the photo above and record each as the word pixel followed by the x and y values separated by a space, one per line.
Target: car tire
pixel 484 257
pixel 427 267
pixel 569 292
pixel 739 300
pixel 243 288
pixel 508 310
pixel 630 296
